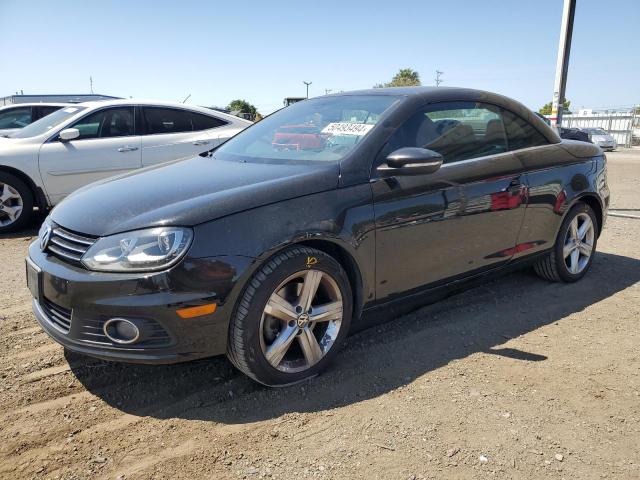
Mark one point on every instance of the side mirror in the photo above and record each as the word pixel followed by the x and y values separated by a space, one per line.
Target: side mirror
pixel 411 161
pixel 69 134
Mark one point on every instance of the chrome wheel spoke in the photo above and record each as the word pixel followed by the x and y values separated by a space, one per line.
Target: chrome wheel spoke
pixel 310 347
pixel 326 312
pixel 585 249
pixel 574 257
pixel 309 288
pixel 568 248
pixel 8 193
pixel 12 212
pixel 278 349
pixel 584 228
pixel 279 308
pixel 573 229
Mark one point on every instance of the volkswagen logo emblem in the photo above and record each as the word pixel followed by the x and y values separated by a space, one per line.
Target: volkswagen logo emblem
pixel 45 236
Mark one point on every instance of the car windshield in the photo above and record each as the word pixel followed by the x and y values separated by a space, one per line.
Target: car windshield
pixel 47 123
pixel 321 129
pixel 595 131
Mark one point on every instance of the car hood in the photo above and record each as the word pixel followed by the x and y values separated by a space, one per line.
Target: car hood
pixel 187 193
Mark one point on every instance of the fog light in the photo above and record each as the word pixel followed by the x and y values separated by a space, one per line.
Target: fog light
pixel 122 331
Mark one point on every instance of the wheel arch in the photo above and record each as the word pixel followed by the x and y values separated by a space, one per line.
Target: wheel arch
pixel 594 202
pixel 38 195
pixel 348 263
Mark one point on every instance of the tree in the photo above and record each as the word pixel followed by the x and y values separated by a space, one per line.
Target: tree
pixel 546 108
pixel 406 77
pixel 243 107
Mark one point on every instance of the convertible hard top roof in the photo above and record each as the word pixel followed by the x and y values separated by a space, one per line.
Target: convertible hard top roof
pixel 448 94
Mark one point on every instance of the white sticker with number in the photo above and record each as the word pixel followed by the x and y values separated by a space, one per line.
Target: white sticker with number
pixel 347 128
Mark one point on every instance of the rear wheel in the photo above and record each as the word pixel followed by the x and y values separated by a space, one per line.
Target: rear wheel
pixel 574 249
pixel 16 203
pixel 292 318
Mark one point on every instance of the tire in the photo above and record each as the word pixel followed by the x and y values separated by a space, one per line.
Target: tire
pixel 556 266
pixel 14 192
pixel 257 328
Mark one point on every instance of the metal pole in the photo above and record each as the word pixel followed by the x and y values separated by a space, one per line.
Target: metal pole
pixel 562 66
pixel 307 84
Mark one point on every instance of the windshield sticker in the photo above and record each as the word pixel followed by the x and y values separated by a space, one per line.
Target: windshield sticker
pixel 70 110
pixel 347 128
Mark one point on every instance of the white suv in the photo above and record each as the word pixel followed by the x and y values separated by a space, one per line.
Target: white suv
pixel 80 144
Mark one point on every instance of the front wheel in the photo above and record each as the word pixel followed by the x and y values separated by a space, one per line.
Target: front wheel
pixel 292 317
pixel 575 246
pixel 16 203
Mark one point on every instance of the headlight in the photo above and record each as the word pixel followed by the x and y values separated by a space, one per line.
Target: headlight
pixel 139 251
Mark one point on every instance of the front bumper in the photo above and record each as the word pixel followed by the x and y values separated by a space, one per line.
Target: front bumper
pixel 71 304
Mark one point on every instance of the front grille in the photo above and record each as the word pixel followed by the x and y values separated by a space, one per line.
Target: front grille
pixel 67 245
pixel 154 335
pixel 59 316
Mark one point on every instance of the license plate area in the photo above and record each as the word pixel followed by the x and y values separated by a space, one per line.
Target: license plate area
pixel 34 275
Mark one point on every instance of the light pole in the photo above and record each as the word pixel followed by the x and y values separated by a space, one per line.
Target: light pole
pixel 307 84
pixel 562 66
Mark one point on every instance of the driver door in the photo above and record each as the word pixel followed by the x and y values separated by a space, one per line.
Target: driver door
pixel 107 145
pixel 462 219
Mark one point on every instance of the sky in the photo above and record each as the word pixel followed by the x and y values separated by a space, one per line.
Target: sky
pixel 262 51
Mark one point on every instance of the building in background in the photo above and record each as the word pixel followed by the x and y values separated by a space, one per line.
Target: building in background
pixel 59 98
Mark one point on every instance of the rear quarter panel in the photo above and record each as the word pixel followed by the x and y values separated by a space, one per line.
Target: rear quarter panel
pixel 558 176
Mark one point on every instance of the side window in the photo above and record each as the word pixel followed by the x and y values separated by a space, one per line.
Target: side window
pixel 44 111
pixel 456 130
pixel 15 117
pixel 167 120
pixel 205 122
pixel 520 133
pixel 110 122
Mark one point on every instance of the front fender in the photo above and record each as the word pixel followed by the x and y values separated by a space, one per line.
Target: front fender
pixel 342 217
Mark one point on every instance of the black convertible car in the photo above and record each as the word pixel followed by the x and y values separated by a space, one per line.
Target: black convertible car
pixel 272 250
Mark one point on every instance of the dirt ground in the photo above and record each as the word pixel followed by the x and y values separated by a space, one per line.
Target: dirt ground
pixel 518 378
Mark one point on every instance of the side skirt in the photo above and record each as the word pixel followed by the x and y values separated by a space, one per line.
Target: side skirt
pixel 382 313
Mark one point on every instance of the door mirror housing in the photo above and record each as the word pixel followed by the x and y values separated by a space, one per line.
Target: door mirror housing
pixel 69 134
pixel 411 161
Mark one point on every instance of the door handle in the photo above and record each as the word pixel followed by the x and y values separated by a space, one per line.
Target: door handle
pixel 127 148
pixel 201 142
pixel 515 187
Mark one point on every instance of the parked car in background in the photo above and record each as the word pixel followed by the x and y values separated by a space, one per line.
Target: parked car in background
pixel 300 137
pixel 600 137
pixel 567 132
pixel 271 255
pixel 15 117
pixel 79 144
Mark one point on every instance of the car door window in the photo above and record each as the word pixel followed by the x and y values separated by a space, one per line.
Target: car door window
pixel 521 134
pixel 109 122
pixel 456 130
pixel 15 118
pixel 205 122
pixel 167 120
pixel 44 111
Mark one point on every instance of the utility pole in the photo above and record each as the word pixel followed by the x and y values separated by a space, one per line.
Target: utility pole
pixel 438 79
pixel 91 84
pixel 562 65
pixel 307 84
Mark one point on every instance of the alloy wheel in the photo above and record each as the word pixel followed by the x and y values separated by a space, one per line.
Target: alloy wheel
pixel 11 204
pixel 301 321
pixel 578 244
